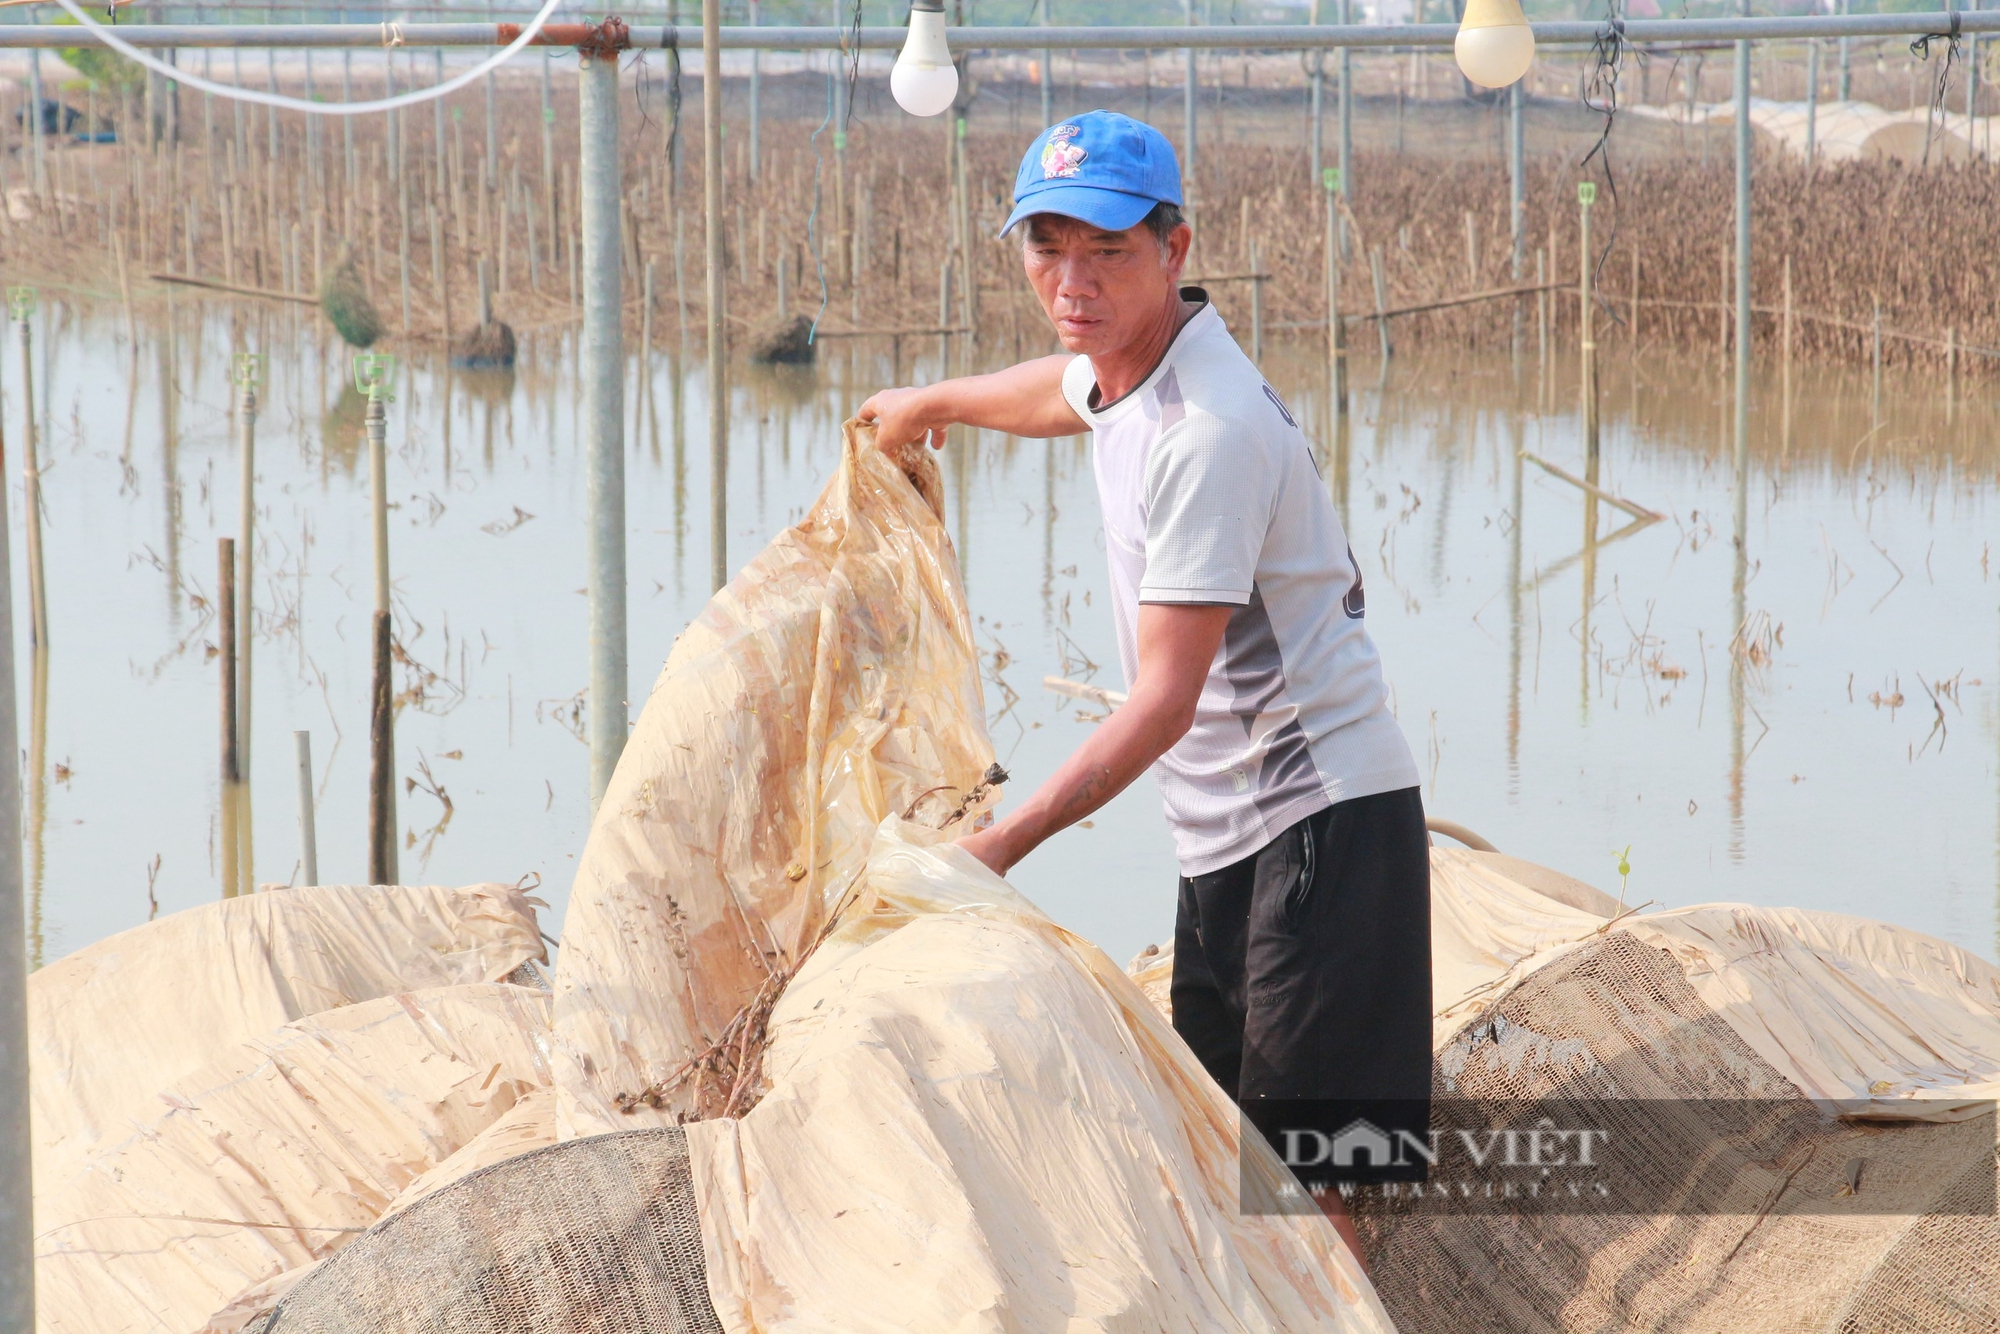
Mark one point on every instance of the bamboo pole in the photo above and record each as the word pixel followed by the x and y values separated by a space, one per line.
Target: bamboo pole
pixel 1586 195
pixel 1336 327
pixel 248 374
pixel 1256 306
pixel 22 299
pixel 372 376
pixel 225 617
pixel 308 825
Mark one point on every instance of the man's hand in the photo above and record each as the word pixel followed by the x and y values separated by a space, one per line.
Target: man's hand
pixel 1024 400
pixel 1177 645
pixel 902 416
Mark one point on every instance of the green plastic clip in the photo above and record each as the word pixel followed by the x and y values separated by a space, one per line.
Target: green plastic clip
pixel 246 369
pixel 1330 178
pixel 548 115
pixel 372 373
pixel 21 302
pixel 1586 193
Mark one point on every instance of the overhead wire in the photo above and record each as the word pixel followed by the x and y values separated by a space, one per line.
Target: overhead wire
pixel 391 37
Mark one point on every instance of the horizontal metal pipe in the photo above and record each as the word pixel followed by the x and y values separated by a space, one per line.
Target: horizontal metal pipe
pixel 297 36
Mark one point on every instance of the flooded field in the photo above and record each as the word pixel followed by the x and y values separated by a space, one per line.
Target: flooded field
pixel 1818 724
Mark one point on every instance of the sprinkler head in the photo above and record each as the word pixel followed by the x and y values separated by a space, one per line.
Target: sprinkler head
pixel 924 80
pixel 21 302
pixel 372 373
pixel 1495 45
pixel 247 369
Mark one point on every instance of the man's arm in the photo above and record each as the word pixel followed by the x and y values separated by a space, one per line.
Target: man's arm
pixel 1024 400
pixel 1177 644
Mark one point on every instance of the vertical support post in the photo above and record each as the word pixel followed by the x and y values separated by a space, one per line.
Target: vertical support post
pixel 1846 63
pixel 548 155
pixel 944 321
pixel 1586 195
pixel 41 165
pixel 756 99
pixel 17 1224
pixel 1786 357
pixel 371 377
pixel 1336 327
pixel 1812 106
pixel 1381 305
pixel 1517 206
pixel 1972 80
pixel 1875 402
pixel 1048 74
pixel 717 292
pixel 1256 305
pixel 248 373
pixel 1191 94
pixel 308 825
pixel 1346 118
pixel 21 301
pixel 1316 80
pixel 1742 293
pixel 603 408
pixel 231 784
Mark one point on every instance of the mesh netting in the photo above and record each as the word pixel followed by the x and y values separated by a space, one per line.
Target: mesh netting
pixel 1779 1218
pixel 591 1235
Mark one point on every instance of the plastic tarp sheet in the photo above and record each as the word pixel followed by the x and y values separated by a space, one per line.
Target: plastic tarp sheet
pixel 969 1120
pixel 169 996
pixel 275 1153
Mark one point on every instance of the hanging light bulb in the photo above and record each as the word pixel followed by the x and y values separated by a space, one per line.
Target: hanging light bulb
pixel 1495 45
pixel 924 80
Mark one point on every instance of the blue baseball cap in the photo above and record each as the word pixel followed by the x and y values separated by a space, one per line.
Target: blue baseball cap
pixel 1101 168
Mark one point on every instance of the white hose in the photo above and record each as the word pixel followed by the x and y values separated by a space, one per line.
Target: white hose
pixel 110 38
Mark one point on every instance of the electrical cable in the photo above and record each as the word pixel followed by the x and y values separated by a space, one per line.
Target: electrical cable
pixel 1921 49
pixel 391 36
pixel 1608 47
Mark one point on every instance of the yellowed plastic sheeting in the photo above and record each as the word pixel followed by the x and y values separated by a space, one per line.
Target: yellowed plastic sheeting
pixel 972 1120
pixel 277 1152
pixel 976 1122
pixel 116 1022
pixel 833 682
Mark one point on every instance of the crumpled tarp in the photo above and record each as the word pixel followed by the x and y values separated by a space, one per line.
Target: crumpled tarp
pixel 232 1091
pixel 969 1119
pixel 173 994
pixel 275 1153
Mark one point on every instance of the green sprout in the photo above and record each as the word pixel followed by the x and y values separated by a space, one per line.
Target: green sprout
pixel 1624 873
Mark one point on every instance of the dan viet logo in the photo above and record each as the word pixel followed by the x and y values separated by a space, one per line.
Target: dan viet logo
pixel 1523 1163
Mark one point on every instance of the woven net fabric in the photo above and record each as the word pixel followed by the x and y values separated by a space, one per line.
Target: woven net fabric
pixel 591 1236
pixel 1767 1229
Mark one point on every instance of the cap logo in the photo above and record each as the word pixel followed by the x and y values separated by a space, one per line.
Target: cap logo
pixel 1060 157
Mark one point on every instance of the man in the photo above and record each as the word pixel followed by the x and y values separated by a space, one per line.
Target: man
pixel 1302 941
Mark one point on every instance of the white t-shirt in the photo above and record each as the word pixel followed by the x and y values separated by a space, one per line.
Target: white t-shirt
pixel 1211 495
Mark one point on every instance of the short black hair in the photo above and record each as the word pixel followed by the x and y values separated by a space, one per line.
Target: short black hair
pixel 1163 219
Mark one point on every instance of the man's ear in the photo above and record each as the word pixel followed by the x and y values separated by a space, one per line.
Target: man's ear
pixel 1179 241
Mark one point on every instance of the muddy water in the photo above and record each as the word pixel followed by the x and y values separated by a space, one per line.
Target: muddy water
pixel 1814 723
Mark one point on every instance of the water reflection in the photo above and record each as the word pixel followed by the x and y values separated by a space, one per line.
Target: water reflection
pixel 1779 794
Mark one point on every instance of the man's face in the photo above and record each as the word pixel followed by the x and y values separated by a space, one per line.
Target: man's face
pixel 1102 289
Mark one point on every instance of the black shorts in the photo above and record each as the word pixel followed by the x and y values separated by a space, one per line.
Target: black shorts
pixel 1302 974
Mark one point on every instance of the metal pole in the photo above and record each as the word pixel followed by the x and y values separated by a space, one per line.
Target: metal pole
pixel 718 365
pixel 1048 72
pixel 17 1230
pixel 1812 105
pixel 1743 147
pixel 1336 327
pixel 1318 81
pixel 1586 194
pixel 308 828
pixel 1346 118
pixel 247 368
pixel 381 713
pixel 1190 93
pixel 756 99
pixel 1846 63
pixel 603 408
